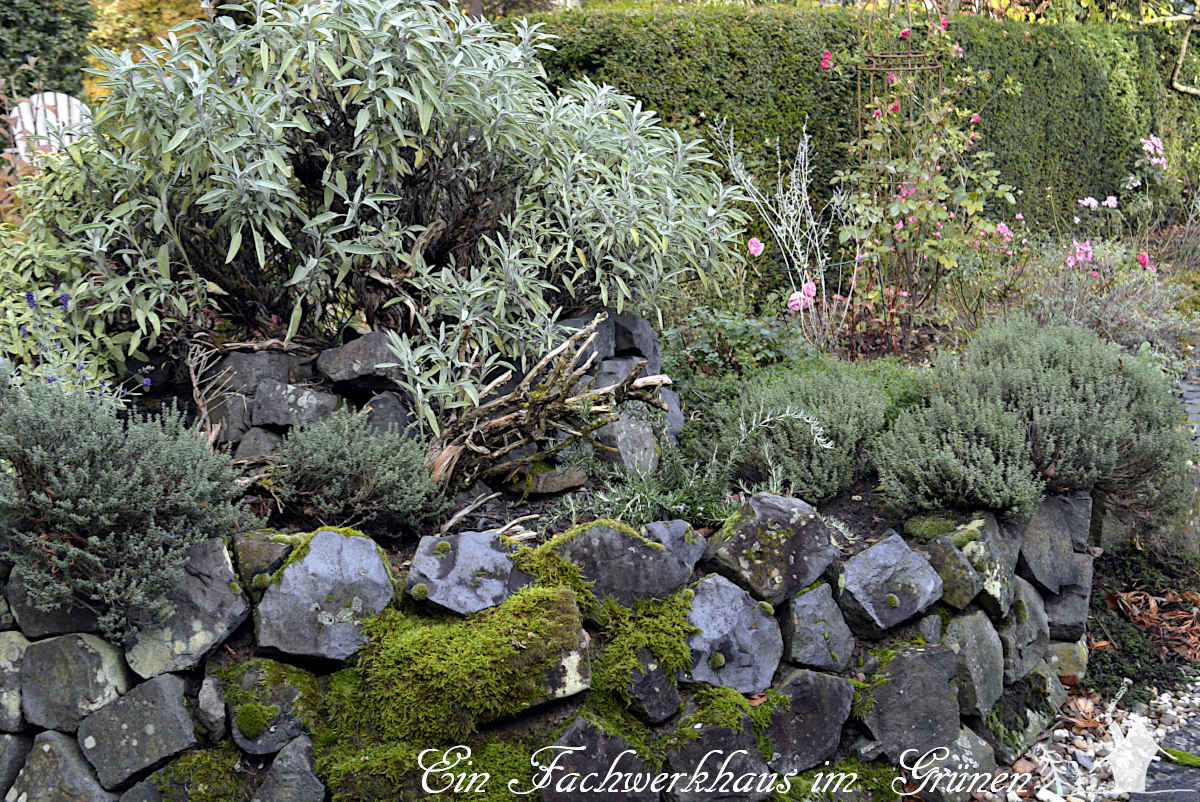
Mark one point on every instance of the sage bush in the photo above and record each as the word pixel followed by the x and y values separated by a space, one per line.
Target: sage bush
pixel 101 507
pixel 380 159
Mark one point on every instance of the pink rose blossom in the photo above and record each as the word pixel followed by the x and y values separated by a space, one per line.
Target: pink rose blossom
pixel 1093 274
pixel 1110 202
pixel 975 118
pixel 1143 259
pixel 904 34
pixel 797 301
pixel 1020 216
pixel 755 247
pixel 809 289
pixel 894 107
pixel 876 113
pixel 945 23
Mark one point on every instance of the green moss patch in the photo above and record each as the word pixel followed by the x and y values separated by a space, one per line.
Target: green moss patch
pixel 204 775
pixel 256 690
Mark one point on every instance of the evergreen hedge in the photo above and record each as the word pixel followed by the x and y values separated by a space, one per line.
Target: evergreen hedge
pixel 56 33
pixel 1089 92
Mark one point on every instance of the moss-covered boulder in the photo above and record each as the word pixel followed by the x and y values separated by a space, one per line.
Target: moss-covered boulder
pixel 1026 709
pixel 436 680
pixel 993 555
pixel 961 583
pixel 270 703
pixel 465 572
pixel 773 547
pixel 315 607
pixel 621 563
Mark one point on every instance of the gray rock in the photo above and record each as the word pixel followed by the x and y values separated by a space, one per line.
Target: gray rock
pixel 773 547
pixel 635 336
pixel 358 361
pixel 805 732
pixel 144 791
pixel 969 756
pixel 632 441
pixel 257 443
pixel 210 708
pixel 814 632
pixel 261 685
pixel 14 749
pixel 1067 612
pixel 243 371
pixel 717 750
pixel 739 644
pixel 12 652
pixel 1077 513
pixel 593 751
pixel 140 730
pixel 1026 633
pixel 993 555
pixel 623 566
pixel 679 538
pixel 675 419
pixel 258 553
pixel 605 344
pixel 241 374
pixel 66 678
pixel 35 623
pixel 886 585
pixel 930 629
pixel 961 583
pixel 7 619
pixel 914 702
pixel 1046 550
pixel 980 661
pixel 317 607
pixel 291 777
pixel 279 404
pixel 232 414
pixel 56 771
pixel 389 412
pixel 209 606
pixel 615 371
pixel 653 695
pixel 464 573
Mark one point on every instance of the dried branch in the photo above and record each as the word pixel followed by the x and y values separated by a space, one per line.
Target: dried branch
pixel 546 411
pixel 207 385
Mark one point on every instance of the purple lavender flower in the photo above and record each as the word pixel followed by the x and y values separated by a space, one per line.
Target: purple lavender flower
pixel 145 382
pixel 64 301
pixel 29 299
pixel 24 330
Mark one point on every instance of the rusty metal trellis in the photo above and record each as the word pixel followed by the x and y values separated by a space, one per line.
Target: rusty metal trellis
pixel 885 54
